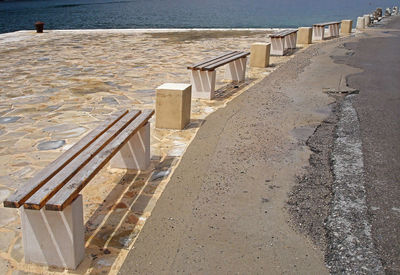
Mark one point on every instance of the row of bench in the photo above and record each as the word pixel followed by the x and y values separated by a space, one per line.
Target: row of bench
pixel 203 74
pixel 54 235
pixel 285 40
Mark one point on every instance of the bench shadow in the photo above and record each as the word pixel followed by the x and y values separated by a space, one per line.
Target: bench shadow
pixel 115 224
pixel 195 123
pixel 293 51
pixel 231 89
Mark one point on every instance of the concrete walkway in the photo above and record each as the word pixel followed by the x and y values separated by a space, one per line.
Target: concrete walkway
pixel 224 209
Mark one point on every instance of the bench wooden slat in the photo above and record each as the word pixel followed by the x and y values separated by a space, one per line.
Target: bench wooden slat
pixel 225 61
pixel 34 184
pixel 71 189
pixel 281 34
pixel 207 62
pixel 42 195
pixel 326 24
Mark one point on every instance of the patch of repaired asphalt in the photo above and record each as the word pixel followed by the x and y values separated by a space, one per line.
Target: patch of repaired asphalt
pixel 350 249
pixel 309 201
pixel 329 201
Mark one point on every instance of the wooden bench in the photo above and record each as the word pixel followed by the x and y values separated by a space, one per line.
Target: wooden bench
pixel 319 30
pixel 203 74
pixel 55 235
pixel 283 41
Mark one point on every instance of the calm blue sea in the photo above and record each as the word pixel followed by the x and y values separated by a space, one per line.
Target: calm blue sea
pixel 94 14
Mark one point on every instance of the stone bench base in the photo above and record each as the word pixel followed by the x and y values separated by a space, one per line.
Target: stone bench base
pixel 135 154
pixel 57 238
pixel 54 238
pixel 203 82
pixel 281 45
pixel 319 32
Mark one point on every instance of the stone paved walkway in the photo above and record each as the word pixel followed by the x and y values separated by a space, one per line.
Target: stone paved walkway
pixel 57 86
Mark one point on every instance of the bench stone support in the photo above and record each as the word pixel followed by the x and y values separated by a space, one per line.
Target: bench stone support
pixel 278 46
pixel 318 33
pixel 259 55
pixel 135 154
pixel 203 84
pixel 360 23
pixel 54 238
pixel 290 41
pixel 333 30
pixel 367 20
pixel 236 70
pixel 347 25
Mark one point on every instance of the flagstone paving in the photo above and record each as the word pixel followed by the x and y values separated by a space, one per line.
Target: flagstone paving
pixel 57 86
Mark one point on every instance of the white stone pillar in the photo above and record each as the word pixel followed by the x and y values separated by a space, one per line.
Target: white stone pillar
pixel 236 70
pixel 367 20
pixel 333 30
pixel 290 41
pixel 203 84
pixel 318 33
pixel 360 23
pixel 277 46
pixel 135 154
pixel 54 238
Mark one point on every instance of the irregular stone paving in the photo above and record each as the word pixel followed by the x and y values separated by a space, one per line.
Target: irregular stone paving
pixel 57 86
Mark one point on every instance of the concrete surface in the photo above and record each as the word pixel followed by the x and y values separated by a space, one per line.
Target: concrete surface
pixel 229 215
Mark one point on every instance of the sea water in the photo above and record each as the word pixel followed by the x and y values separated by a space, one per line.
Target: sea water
pixel 121 14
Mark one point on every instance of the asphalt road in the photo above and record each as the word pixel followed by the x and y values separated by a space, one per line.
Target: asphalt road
pixel 378 109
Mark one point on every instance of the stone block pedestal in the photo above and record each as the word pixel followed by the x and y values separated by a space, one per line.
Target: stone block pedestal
pixel 54 238
pixel 347 26
pixel 135 154
pixel 304 35
pixel 259 55
pixel 173 105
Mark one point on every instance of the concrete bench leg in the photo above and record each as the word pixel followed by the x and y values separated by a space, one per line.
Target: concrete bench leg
pixel 293 38
pixel 318 33
pixel 54 238
pixel 135 154
pixel 337 28
pixel 334 30
pixel 360 23
pixel 236 70
pixel 277 46
pixel 331 31
pixel 203 84
pixel 290 41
